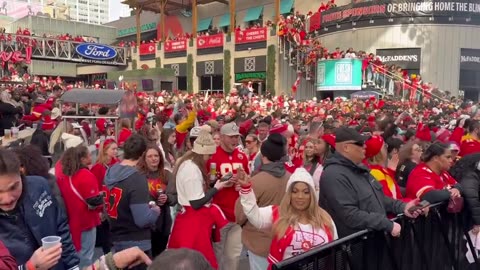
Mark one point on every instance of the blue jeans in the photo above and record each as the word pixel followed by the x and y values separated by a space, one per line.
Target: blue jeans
pixel 88 248
pixel 257 262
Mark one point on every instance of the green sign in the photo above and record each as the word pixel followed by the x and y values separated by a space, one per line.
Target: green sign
pixel 250 76
pixel 133 30
pixel 341 74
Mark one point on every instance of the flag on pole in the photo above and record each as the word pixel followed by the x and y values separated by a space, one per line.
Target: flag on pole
pixel 297 82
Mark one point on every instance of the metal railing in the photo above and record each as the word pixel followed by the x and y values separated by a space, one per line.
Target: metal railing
pixel 386 81
pixel 436 242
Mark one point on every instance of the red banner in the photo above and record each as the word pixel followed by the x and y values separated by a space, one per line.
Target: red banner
pixel 147 48
pixel 213 41
pixel 176 45
pixel 251 35
pixel 315 22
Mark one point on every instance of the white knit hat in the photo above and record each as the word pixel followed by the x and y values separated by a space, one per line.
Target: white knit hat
pixel 301 175
pixel 204 143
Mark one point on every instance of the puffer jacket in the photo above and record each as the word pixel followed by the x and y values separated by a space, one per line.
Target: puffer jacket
pixel 470 184
pixel 43 217
pixel 354 199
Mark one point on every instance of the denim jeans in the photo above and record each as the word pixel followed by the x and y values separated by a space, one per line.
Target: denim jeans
pixel 88 248
pixel 257 262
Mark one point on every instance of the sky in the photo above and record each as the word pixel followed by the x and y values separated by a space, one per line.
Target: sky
pixel 117 9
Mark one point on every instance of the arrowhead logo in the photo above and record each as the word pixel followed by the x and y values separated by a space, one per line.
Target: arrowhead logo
pixel 201 42
pixel 151 48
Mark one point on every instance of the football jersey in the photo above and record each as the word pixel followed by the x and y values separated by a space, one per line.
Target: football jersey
pixel 225 163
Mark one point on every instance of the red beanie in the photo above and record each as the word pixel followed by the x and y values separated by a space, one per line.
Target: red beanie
pixel 279 128
pixel 373 146
pixel 329 139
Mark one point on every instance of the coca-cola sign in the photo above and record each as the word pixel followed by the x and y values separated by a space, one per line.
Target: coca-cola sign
pixel 406 58
pixel 212 41
pixel 96 51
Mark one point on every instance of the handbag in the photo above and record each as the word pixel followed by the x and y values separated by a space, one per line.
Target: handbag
pixel 455 205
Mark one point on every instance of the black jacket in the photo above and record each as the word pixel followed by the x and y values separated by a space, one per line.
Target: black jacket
pixel 470 184
pixel 8 116
pixel 403 171
pixel 354 199
pixel 42 217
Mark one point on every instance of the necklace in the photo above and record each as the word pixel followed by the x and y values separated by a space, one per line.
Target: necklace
pixel 306 245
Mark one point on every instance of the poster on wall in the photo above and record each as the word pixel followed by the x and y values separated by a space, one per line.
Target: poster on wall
pixel 470 59
pixel 406 58
pixel 342 74
pixel 400 8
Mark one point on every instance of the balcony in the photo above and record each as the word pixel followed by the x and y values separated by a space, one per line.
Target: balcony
pixel 49 49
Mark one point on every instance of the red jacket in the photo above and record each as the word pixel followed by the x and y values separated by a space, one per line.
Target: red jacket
pixel 7 262
pixel 279 245
pixel 422 180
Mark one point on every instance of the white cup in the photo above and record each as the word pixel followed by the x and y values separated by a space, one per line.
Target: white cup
pixel 50 241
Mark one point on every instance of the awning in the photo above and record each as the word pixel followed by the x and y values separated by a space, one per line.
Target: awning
pixel 225 20
pixel 204 24
pixel 286 6
pixel 253 14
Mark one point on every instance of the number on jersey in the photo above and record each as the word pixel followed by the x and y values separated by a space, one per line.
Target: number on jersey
pixel 112 199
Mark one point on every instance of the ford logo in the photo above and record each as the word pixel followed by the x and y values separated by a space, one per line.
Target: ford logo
pixel 96 51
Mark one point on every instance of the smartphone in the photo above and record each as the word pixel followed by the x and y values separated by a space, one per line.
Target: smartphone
pixel 423 204
pixel 226 177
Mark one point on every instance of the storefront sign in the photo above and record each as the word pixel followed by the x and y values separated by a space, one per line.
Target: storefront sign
pixel 176 45
pixel 254 76
pixel 399 8
pixel 470 59
pixel 133 30
pixel 406 58
pixel 213 41
pixel 251 35
pixel 96 51
pixel 343 74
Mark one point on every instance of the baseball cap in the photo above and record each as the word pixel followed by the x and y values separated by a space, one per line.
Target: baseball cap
pixel 230 129
pixel 343 134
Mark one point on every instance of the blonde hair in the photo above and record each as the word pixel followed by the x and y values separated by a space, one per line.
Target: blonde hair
pixel 102 153
pixel 378 159
pixel 288 216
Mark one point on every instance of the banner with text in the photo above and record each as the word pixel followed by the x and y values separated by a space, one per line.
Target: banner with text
pixel 251 35
pixel 342 74
pixel 406 58
pixel 399 8
pixel 175 45
pixel 470 59
pixel 213 41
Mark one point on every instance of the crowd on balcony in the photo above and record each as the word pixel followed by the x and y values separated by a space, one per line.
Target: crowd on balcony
pixel 26 37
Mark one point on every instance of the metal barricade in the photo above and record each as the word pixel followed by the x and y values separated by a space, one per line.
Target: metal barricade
pixel 436 242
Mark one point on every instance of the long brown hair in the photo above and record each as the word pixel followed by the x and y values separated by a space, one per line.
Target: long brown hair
pixel 143 167
pixel 72 159
pixel 198 160
pixel 288 216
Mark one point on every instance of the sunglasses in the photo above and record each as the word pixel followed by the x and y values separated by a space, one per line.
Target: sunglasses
pixel 360 144
pixel 249 142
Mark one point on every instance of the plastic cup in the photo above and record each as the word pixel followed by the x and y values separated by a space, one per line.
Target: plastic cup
pixel 7 133
pixel 34 126
pixel 50 241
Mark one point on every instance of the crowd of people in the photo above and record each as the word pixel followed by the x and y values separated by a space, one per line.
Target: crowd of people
pixel 220 174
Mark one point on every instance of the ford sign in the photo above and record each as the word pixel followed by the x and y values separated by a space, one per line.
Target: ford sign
pixel 96 51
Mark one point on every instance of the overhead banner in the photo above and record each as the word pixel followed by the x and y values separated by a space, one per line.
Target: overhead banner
pixel 400 8
pixel 406 58
pixel 176 45
pixel 470 59
pixel 341 74
pixel 147 51
pixel 213 41
pixel 251 35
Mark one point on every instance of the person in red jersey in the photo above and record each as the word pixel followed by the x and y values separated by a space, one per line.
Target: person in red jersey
pixel 228 158
pixel 430 180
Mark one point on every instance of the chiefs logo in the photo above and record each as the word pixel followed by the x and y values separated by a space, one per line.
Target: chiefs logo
pixel 240 156
pixel 151 48
pixel 201 42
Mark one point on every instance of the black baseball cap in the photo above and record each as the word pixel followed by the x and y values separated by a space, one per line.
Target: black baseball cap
pixel 344 134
